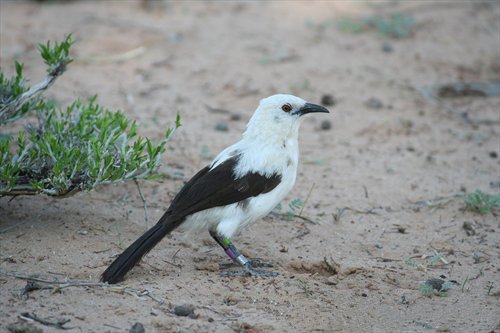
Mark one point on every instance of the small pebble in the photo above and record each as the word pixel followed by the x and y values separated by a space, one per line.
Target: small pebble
pixel 469 229
pixel 326 125
pixel 493 154
pixel 374 103
pixel 235 116
pixel 378 245
pixel 387 48
pixel 221 126
pixel 436 284
pixel 328 100
pixel 495 184
pixel 183 311
pixel 137 328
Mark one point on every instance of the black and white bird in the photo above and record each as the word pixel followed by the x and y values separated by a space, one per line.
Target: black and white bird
pixel 241 185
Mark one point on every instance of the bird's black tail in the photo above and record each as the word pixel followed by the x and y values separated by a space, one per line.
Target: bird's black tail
pixel 131 256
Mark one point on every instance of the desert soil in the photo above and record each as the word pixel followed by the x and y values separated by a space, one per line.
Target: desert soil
pixel 383 177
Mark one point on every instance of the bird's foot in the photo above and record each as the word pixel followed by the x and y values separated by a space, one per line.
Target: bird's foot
pixel 249 270
pixel 252 262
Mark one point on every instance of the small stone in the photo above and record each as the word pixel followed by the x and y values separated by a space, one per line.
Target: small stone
pixel 387 48
pixel 374 103
pixel 137 328
pixel 183 311
pixel 222 126
pixel 469 229
pixel 437 284
pixel 235 116
pixel 495 184
pixel 493 154
pixel 401 229
pixel 326 125
pixel 378 245
pixel 364 294
pixel 328 100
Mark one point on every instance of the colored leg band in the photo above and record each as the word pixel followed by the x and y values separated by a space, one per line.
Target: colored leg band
pixel 232 252
pixel 236 256
pixel 229 248
pixel 241 260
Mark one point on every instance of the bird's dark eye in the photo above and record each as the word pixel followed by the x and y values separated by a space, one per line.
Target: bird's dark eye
pixel 286 107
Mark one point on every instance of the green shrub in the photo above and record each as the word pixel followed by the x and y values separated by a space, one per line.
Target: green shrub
pixel 68 150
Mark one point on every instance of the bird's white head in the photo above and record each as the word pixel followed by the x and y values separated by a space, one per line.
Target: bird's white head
pixel 279 116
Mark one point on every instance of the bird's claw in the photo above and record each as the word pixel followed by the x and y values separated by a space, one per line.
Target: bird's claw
pixel 249 270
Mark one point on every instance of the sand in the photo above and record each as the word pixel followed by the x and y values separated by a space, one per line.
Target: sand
pixel 382 178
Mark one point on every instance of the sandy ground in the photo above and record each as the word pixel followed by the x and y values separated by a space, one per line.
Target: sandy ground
pixel 401 170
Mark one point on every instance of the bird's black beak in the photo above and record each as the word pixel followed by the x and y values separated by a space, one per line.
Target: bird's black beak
pixel 310 108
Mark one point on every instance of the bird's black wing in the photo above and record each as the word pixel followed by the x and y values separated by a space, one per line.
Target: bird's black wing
pixel 218 187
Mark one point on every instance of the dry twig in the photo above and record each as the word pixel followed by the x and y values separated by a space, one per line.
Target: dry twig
pixel 57 323
pixel 57 285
